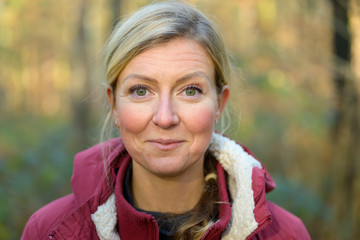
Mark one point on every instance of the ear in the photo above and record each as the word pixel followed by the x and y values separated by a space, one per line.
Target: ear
pixel 223 97
pixel 110 96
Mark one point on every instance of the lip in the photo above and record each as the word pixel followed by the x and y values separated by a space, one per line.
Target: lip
pixel 165 144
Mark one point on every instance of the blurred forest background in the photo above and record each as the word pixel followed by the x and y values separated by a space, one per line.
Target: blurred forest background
pixel 297 88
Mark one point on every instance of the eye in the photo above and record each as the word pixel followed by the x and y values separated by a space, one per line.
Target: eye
pixel 192 90
pixel 139 91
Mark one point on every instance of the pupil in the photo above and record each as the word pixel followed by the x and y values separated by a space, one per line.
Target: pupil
pixel 141 92
pixel 190 92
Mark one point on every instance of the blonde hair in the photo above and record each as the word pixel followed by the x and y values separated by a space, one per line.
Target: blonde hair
pixel 155 24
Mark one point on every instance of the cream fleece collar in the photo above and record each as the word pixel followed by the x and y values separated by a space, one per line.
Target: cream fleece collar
pixel 237 163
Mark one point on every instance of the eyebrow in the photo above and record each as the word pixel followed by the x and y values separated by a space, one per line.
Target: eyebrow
pixel 182 79
pixel 192 75
pixel 138 76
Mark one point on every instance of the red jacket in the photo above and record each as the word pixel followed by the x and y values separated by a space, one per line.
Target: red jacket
pixel 70 217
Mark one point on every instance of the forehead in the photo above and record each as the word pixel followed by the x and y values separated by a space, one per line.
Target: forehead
pixel 177 57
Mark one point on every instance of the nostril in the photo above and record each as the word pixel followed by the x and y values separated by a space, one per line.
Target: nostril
pixel 165 118
pixel 165 121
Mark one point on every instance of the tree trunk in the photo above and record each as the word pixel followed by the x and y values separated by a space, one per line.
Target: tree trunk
pixel 80 80
pixel 344 187
pixel 115 10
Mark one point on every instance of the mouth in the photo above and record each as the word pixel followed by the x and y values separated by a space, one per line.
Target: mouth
pixel 165 144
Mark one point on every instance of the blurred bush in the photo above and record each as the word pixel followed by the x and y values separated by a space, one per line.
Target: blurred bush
pixel 35 168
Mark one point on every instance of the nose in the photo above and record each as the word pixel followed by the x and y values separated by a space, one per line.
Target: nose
pixel 165 115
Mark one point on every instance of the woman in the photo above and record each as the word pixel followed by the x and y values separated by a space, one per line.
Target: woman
pixel 169 176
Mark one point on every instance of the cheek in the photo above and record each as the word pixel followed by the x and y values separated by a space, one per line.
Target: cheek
pixel 200 120
pixel 131 119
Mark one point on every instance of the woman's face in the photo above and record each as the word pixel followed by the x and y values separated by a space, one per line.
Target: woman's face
pixel 166 107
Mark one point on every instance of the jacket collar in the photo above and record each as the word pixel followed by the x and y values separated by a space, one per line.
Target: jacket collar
pixel 239 165
pixel 248 182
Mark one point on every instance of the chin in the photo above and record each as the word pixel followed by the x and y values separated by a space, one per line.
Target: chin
pixel 169 167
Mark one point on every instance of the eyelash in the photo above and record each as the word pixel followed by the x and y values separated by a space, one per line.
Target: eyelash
pixel 139 86
pixel 195 87
pixel 136 87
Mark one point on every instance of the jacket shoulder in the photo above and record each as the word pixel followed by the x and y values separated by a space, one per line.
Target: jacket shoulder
pixel 46 218
pixel 284 225
pixel 89 167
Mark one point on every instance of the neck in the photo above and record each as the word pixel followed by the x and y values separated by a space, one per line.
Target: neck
pixel 175 194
